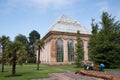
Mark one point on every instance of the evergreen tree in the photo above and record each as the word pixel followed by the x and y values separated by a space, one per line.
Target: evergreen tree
pixel 94 27
pixel 105 45
pixel 93 41
pixel 33 36
pixel 79 53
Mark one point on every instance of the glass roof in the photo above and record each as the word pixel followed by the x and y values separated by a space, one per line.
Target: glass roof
pixel 67 24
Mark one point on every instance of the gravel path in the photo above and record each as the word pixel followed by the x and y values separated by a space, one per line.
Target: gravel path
pixel 68 75
pixel 114 73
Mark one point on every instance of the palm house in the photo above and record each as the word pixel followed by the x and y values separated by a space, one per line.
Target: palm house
pixel 60 41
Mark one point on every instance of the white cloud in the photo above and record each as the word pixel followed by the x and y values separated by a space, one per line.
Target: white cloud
pixel 103 6
pixel 41 3
pixel 38 5
pixel 53 3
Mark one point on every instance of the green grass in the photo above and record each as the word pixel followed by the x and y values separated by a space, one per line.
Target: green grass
pixel 68 67
pixel 28 72
pixel 110 69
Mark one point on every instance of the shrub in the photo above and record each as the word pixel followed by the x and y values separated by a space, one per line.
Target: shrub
pixel 31 60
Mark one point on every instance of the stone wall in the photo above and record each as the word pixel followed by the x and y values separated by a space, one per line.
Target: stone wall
pixel 48 54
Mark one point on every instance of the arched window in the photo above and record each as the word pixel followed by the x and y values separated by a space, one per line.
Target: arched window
pixel 59 53
pixel 70 50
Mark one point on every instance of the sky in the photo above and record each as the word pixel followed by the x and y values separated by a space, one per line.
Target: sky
pixel 23 16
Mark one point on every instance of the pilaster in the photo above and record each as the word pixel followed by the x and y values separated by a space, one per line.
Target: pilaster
pixel 65 51
pixel 53 50
pixel 85 50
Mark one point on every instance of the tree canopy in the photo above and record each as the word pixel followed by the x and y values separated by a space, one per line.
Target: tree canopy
pixel 22 38
pixel 105 44
pixel 33 36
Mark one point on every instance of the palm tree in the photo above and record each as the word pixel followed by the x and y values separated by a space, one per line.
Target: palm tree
pixel 3 41
pixel 23 39
pixel 39 46
pixel 16 53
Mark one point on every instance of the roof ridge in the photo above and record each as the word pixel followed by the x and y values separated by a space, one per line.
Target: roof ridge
pixel 67 19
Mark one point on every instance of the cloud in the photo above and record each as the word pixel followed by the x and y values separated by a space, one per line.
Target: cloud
pixel 9 6
pixel 103 6
pixel 51 3
pixel 40 3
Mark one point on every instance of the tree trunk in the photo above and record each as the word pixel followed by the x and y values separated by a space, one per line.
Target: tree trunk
pixel 2 66
pixel 14 64
pixel 38 62
pixel 3 59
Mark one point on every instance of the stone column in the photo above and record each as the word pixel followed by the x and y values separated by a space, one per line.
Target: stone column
pixel 85 50
pixel 65 51
pixel 53 51
pixel 49 52
pixel 74 48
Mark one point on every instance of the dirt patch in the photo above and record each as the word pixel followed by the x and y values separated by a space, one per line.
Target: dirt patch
pixel 68 75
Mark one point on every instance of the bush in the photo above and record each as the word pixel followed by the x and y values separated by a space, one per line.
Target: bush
pixel 31 60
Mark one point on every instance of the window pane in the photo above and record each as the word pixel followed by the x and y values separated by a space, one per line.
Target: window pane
pixel 59 46
pixel 70 50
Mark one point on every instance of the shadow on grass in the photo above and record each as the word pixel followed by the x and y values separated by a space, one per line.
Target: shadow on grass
pixel 16 75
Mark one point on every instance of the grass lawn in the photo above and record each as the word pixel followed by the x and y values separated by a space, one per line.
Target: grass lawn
pixel 28 71
pixel 67 67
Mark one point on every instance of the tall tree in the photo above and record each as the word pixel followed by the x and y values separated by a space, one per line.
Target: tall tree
pixel 39 46
pixel 3 41
pixel 92 41
pixel 105 46
pixel 33 36
pixel 79 53
pixel 94 27
pixel 15 52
